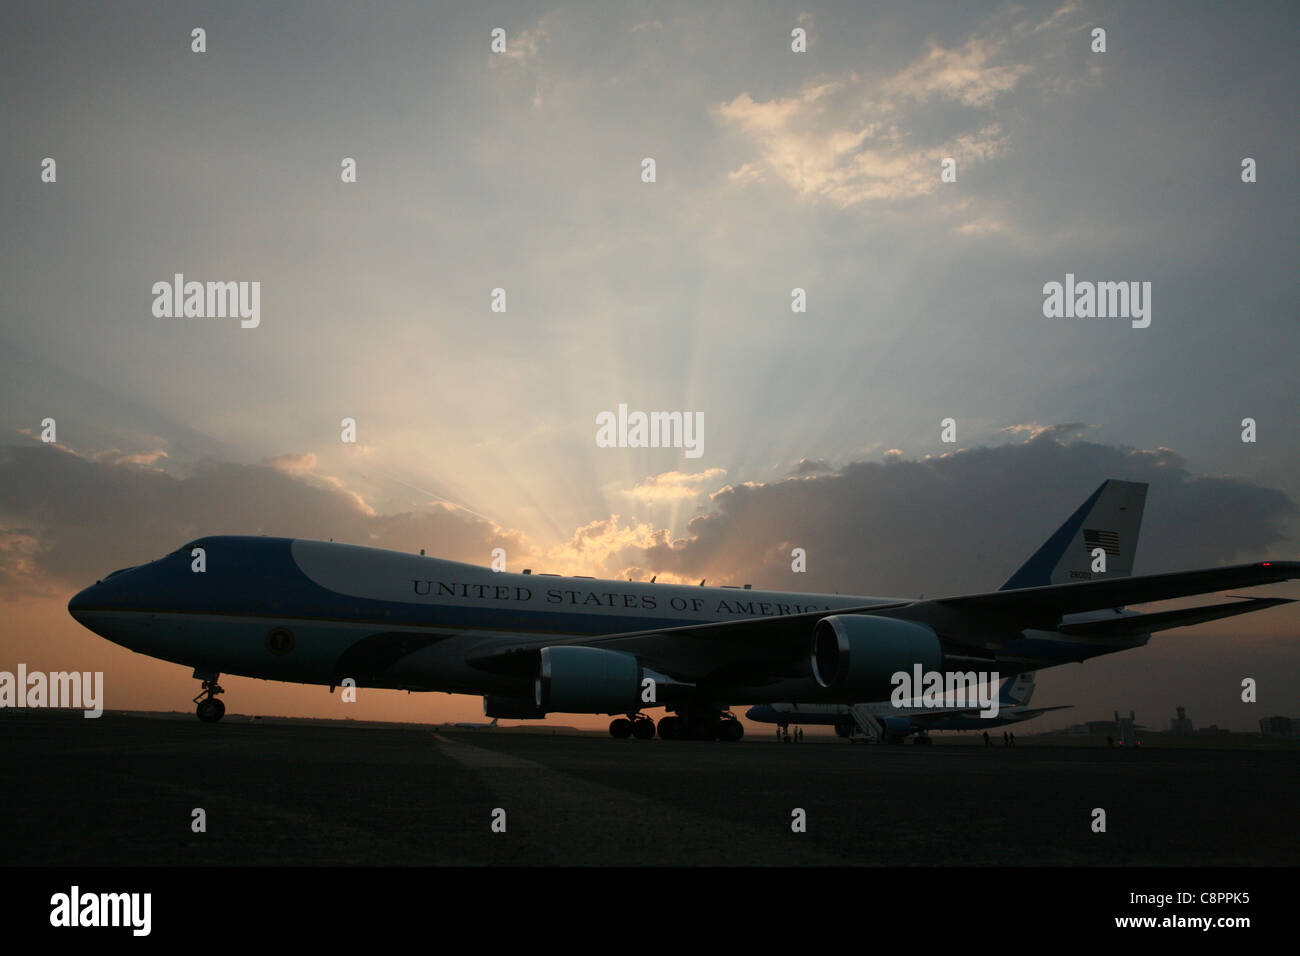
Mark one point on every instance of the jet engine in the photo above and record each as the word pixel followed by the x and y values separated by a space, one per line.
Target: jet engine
pixel 588 680
pixel 859 654
pixel 897 726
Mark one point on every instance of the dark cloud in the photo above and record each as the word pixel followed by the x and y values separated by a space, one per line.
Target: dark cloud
pixel 965 521
pixel 66 520
pixel 956 523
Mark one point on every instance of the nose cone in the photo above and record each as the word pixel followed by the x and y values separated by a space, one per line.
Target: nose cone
pixel 103 595
pixel 82 602
pixel 98 609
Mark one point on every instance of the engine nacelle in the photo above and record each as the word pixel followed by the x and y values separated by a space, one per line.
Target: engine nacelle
pixel 860 653
pixel 897 726
pixel 512 708
pixel 588 680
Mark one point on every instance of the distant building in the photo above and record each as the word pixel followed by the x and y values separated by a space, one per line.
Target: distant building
pixel 1181 726
pixel 1279 727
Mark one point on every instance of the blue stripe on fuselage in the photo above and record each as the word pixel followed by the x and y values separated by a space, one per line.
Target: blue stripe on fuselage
pixel 258 577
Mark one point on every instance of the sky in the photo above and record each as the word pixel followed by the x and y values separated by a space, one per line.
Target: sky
pixel 774 170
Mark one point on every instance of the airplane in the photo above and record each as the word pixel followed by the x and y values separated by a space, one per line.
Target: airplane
pixel 892 724
pixel 316 612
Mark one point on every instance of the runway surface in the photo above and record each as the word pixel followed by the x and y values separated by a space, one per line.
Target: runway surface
pixel 121 790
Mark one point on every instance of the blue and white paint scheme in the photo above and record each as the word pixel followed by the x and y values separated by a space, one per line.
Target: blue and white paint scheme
pixel 319 612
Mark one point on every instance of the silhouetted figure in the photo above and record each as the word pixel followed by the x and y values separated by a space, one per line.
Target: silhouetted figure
pixel 1011 738
pixel 987 742
pixel 1004 738
pixel 1110 741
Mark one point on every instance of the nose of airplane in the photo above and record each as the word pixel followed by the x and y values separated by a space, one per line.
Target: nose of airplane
pixel 100 596
pixel 81 602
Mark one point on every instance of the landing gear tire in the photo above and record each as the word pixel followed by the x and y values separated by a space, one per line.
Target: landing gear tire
pixel 210 710
pixel 620 728
pixel 731 730
pixel 643 728
pixel 670 728
pixel 922 742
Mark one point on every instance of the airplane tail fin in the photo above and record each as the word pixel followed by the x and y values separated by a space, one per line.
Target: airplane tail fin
pixel 1017 690
pixel 1101 534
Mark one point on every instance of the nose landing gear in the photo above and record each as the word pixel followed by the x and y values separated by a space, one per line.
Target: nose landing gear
pixel 210 710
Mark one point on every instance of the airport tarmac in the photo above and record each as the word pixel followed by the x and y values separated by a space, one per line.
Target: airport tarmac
pixel 121 790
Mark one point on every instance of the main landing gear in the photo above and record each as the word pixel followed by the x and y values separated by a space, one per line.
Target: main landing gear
pixel 689 725
pixel 633 725
pixel 210 710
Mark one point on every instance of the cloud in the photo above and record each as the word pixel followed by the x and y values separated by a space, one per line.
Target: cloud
pixel 950 524
pixel 809 466
pixel 674 485
pixel 1033 430
pixel 966 75
pixel 116 457
pixel 965 521
pixel 522 46
pixel 292 464
pixel 67 519
pixel 851 140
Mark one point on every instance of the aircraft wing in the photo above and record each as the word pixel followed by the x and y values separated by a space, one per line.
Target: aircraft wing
pixel 1163 620
pixel 1028 713
pixel 1044 606
pixel 764 649
pixel 756 648
pixel 939 713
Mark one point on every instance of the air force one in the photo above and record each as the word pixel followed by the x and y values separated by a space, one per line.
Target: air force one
pixel 313 612
pixel 884 722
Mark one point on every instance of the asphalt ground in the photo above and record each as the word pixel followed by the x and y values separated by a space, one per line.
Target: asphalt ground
pixel 121 790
